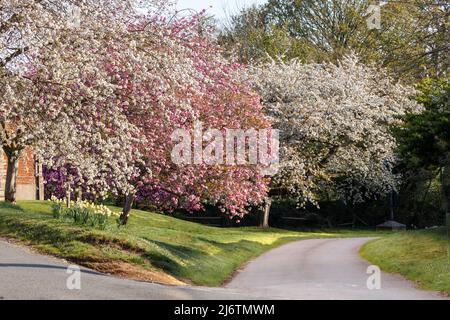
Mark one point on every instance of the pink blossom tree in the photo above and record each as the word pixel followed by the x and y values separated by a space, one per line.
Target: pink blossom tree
pixel 187 80
pixel 163 75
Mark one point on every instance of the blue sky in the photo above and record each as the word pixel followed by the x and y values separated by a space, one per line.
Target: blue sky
pixel 219 8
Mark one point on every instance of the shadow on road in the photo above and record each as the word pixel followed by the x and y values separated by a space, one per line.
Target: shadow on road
pixel 44 266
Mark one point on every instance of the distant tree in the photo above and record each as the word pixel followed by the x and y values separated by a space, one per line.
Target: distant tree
pixel 412 41
pixel 247 37
pixel 332 28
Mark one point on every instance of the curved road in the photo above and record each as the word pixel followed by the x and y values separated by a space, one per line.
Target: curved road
pixel 309 269
pixel 328 269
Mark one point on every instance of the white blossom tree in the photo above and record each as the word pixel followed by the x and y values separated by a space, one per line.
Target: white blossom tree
pixel 57 94
pixel 334 123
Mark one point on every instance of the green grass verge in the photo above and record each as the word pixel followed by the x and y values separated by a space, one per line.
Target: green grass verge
pixel 421 256
pixel 185 250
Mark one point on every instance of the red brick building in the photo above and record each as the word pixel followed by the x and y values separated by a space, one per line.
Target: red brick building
pixel 28 178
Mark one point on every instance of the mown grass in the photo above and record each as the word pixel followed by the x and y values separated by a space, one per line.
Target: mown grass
pixel 194 253
pixel 421 256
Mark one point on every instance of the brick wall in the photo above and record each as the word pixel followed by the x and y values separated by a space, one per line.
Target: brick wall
pixel 26 180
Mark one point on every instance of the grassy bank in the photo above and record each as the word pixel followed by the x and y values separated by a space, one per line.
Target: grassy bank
pixel 421 256
pixel 152 247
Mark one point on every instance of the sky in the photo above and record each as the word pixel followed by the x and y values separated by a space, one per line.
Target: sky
pixel 219 8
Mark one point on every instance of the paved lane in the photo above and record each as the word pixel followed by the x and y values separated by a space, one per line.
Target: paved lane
pixel 321 269
pixel 27 275
pixel 310 269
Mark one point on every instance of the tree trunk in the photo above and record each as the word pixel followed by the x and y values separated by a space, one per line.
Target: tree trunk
pixel 68 194
pixel 329 223
pixel 265 214
pixel 39 180
pixel 11 176
pixel 129 199
pixel 353 217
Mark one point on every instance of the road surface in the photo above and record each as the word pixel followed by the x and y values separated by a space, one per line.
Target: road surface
pixel 310 269
pixel 27 275
pixel 328 269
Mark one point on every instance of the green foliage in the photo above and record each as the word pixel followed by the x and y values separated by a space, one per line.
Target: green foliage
pixel 57 210
pixel 414 38
pixel 82 213
pixel 423 143
pixel 86 217
pixel 424 139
